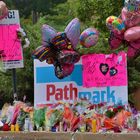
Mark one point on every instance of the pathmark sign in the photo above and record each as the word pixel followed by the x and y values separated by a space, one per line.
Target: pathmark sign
pixel 48 89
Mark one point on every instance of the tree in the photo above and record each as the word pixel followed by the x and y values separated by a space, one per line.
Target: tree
pixel 95 12
pixel 27 6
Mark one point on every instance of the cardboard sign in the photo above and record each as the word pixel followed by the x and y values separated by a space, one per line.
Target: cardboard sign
pixel 12 18
pixel 9 43
pixel 48 89
pixel 100 70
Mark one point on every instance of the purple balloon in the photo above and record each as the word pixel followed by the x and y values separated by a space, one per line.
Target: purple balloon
pixel 48 33
pixel 73 32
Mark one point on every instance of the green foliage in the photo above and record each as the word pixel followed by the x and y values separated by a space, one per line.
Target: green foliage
pixel 95 12
pixel 39 117
pixel 134 73
pixel 26 76
pixel 21 118
pixel 27 6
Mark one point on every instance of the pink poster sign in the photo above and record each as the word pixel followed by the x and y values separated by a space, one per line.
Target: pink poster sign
pixel 100 70
pixel 9 43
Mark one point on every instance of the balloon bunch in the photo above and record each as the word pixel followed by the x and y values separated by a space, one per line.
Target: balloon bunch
pixel 3 10
pixel 125 30
pixel 59 48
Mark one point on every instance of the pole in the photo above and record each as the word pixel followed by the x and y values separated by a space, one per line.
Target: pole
pixel 34 16
pixel 14 77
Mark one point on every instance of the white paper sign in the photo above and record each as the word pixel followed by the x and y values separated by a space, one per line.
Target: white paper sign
pixel 12 18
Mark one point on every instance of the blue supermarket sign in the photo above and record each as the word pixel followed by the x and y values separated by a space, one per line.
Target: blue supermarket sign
pixel 50 90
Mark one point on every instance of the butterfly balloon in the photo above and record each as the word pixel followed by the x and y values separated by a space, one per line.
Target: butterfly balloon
pixel 59 48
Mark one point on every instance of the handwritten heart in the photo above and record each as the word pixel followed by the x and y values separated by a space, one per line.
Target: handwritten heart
pixel 113 71
pixel 104 68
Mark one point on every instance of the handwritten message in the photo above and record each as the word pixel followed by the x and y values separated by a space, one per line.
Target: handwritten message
pixel 9 42
pixel 100 70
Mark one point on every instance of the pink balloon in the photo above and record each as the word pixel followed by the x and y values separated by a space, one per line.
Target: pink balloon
pixel 62 71
pixel 115 40
pixel 68 69
pixel 132 34
pixel 124 14
pixel 68 57
pixel 3 10
pixel 134 49
pixel 131 19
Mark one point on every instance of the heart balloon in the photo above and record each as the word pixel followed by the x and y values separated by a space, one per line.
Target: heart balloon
pixel 115 40
pixel 115 23
pixel 62 71
pixel 132 34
